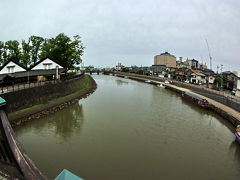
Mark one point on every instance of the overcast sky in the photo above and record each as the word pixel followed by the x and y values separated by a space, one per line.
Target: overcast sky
pixel 132 31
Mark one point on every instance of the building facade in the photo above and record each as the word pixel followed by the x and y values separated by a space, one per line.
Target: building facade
pixel 166 59
pixel 231 80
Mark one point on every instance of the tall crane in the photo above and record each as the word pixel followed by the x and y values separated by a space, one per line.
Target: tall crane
pixel 210 57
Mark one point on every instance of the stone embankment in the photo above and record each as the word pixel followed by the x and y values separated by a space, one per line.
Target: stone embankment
pixel 47 99
pixel 229 113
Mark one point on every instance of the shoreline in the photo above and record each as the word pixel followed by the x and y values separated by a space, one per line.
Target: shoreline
pixel 40 110
pixel 224 111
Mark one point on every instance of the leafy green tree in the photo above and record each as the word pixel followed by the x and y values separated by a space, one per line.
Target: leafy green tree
pixel 36 45
pixel 13 50
pixel 140 71
pixel 125 69
pixel 3 52
pixel 64 50
pixel 26 53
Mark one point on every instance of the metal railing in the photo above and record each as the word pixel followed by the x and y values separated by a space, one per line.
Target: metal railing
pixel 26 85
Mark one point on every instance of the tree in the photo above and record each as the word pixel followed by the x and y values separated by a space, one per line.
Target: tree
pixel 13 50
pixel 36 45
pixel 125 69
pixel 62 49
pixel 3 52
pixel 26 53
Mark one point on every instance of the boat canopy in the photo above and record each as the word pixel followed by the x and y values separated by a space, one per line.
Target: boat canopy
pixel 194 96
pixel 2 102
pixel 67 175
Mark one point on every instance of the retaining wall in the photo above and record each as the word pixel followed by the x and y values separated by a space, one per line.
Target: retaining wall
pixel 25 98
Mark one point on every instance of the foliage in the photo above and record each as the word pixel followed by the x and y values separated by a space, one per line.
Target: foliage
pixel 89 68
pixel 140 71
pixel 125 69
pixel 13 50
pixel 63 49
pixel 217 81
pixel 71 73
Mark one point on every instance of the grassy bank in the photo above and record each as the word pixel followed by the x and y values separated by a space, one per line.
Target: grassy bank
pixel 87 86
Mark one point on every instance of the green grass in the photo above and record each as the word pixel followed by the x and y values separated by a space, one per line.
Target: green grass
pixel 84 84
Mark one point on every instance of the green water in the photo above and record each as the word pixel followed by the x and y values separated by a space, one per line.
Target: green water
pixel 129 130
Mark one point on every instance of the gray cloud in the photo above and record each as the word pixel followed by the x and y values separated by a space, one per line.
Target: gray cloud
pixel 132 31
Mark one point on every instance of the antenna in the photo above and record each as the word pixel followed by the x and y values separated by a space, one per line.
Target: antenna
pixel 210 57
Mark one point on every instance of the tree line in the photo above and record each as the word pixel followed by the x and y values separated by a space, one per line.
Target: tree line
pixel 64 50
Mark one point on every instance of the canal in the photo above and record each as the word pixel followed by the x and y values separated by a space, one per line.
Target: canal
pixel 130 130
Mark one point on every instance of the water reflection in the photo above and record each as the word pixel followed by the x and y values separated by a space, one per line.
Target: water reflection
pixel 121 82
pixel 62 123
pixel 235 149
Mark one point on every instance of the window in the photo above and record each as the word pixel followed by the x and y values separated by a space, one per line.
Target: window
pixel 47 66
pixel 10 69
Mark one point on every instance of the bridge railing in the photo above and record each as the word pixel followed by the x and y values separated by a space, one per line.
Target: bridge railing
pixel 25 164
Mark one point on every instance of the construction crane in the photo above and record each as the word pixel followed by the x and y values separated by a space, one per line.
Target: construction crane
pixel 210 57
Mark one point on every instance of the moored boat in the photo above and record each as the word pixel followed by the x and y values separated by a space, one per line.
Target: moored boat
pixel 67 175
pixel 237 134
pixel 196 99
pixel 147 81
pixel 161 85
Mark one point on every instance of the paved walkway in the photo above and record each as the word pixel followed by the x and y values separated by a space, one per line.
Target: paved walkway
pixel 223 107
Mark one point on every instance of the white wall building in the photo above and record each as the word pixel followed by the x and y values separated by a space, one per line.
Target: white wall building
pixel 11 67
pixel 198 78
pixel 46 64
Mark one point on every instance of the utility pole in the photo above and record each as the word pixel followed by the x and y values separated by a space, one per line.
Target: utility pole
pixel 222 77
pixel 217 68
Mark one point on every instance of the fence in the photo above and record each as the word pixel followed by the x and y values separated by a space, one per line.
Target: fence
pixel 20 86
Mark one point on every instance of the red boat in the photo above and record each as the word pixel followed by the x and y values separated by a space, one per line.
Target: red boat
pixel 197 100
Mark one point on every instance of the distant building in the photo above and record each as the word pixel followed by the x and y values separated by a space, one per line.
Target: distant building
pixel 193 63
pixel 182 74
pixel 183 64
pixel 231 80
pixel 119 67
pixel 238 89
pixel 157 69
pixel 165 59
pixel 197 77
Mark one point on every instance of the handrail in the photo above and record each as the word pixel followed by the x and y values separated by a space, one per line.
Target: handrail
pixel 26 165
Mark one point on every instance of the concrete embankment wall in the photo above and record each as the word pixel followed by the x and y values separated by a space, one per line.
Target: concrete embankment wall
pixel 26 102
pixel 230 102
